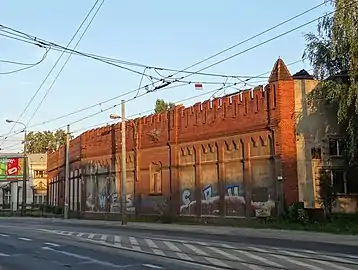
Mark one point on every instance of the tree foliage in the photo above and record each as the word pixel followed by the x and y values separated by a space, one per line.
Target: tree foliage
pixel 333 53
pixel 162 106
pixel 327 193
pixel 40 142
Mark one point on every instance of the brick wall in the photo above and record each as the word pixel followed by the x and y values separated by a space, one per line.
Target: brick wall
pixel 217 158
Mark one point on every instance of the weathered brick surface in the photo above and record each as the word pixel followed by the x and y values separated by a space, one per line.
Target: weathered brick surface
pixel 205 142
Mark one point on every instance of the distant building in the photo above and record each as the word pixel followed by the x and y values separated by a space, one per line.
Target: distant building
pixel 37 171
pixel 11 180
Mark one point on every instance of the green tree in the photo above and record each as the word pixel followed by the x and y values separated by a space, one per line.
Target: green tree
pixel 333 53
pixel 40 142
pixel 162 106
pixel 327 193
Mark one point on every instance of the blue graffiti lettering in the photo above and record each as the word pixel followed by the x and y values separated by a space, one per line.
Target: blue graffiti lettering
pixel 208 192
pixel 232 190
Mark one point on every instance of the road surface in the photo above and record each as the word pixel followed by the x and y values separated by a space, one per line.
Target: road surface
pixel 45 243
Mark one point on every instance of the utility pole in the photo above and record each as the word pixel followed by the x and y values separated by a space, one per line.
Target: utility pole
pixel 67 172
pixel 124 166
pixel 23 207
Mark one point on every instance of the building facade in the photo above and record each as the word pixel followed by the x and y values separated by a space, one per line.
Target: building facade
pixel 11 188
pixel 38 175
pixel 242 155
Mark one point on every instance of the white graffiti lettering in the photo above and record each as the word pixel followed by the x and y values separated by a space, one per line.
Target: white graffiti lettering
pixel 102 201
pixel 186 197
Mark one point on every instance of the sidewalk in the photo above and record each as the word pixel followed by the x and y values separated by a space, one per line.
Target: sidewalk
pixel 293 235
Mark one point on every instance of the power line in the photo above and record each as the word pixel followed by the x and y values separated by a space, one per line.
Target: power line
pixel 18 63
pixel 49 73
pixel 251 48
pixel 265 41
pixel 227 49
pixel 213 92
pixel 35 41
pixel 26 65
pixel 261 43
pixel 143 112
pixel 121 95
pixel 251 38
pixel 63 66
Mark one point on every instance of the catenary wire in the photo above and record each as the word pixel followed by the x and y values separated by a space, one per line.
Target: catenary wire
pixel 55 47
pixel 27 66
pixel 253 37
pixel 257 45
pixel 208 58
pixel 116 105
pixel 49 73
pixel 238 44
pixel 119 96
pixel 65 63
pixel 213 92
pixel 267 41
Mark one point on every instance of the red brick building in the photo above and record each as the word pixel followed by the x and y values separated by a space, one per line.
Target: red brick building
pixel 231 156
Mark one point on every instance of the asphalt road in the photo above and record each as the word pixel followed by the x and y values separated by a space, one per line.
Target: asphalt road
pixel 25 248
pixel 55 245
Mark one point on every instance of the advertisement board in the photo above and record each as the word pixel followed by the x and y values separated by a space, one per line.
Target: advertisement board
pixel 11 168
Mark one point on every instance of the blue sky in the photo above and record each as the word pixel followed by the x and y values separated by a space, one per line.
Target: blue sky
pixel 172 34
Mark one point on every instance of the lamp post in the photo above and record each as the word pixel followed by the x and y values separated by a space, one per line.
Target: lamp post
pixel 23 207
pixel 123 163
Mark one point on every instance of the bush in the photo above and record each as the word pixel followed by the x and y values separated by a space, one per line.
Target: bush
pixel 297 213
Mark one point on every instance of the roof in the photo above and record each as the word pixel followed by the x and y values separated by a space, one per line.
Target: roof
pixel 303 75
pixel 280 72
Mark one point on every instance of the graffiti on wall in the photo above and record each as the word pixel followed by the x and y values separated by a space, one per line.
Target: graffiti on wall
pixel 234 200
pixel 210 199
pixel 101 194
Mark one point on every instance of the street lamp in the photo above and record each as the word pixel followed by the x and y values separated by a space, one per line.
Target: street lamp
pixel 114 116
pixel 25 165
pixel 123 163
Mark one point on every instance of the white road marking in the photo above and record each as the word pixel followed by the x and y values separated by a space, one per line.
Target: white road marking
pixel 172 247
pixel 24 239
pixel 329 264
pixel 80 234
pixel 4 235
pixel 308 266
pixel 225 254
pixel 52 244
pixel 88 259
pixel 202 243
pixel 258 258
pixel 103 237
pixel 66 233
pixel 207 256
pixel 117 239
pixel 152 266
pixel 91 236
pixel 154 247
pixel 177 251
pixel 134 243
pixel 337 259
pixel 4 255
pixel 231 257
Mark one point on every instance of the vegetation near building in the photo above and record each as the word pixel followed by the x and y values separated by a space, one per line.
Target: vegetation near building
pixel 333 53
pixel 162 106
pixel 42 141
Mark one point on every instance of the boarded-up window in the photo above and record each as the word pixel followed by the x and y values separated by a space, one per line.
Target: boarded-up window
pixel 156 178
